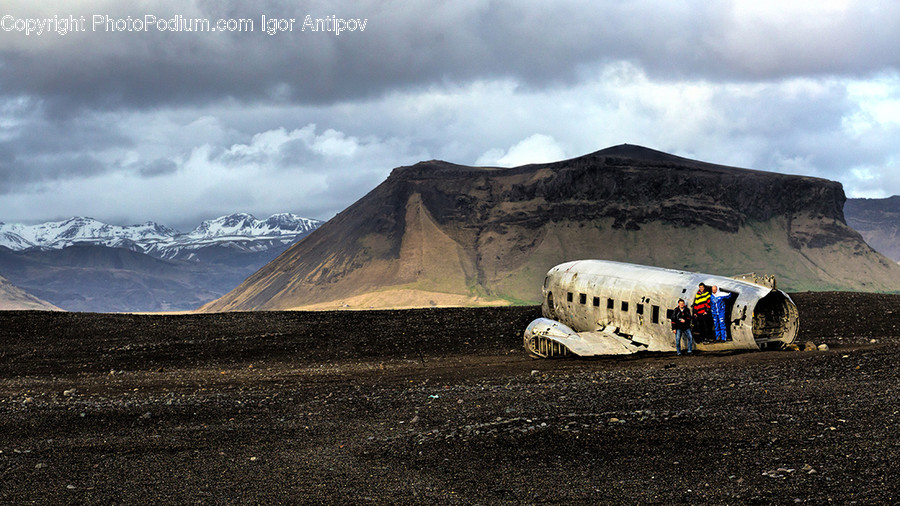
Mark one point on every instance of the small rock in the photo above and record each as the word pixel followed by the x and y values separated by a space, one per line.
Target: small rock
pixel 40 465
pixel 535 372
pixel 70 487
pixel 69 393
pixel 414 419
pixel 253 459
pixel 29 400
pixel 809 346
pixel 613 420
pixel 874 341
pixel 146 416
pixel 823 347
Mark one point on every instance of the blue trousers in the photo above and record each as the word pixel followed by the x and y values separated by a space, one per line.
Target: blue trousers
pixel 686 334
pixel 721 327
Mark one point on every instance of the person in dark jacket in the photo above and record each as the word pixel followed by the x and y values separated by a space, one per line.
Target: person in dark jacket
pixel 681 326
pixel 703 324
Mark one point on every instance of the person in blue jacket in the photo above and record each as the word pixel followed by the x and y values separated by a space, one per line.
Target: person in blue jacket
pixel 717 301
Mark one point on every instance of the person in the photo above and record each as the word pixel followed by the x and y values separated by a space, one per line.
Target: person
pixel 681 326
pixel 702 318
pixel 717 303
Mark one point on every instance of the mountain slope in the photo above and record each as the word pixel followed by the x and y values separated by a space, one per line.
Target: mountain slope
pixel 14 298
pixel 100 279
pixel 484 234
pixel 878 220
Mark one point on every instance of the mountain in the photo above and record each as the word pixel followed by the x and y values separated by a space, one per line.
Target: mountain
pixel 878 220
pixel 438 233
pixel 95 278
pixel 241 232
pixel 82 264
pixel 14 298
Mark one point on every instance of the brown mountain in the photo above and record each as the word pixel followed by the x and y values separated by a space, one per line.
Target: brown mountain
pixel 14 298
pixel 436 233
pixel 878 220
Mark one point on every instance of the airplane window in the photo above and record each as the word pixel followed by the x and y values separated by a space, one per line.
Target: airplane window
pixel 582 298
pixel 596 301
pixel 609 304
pixel 569 296
pixel 624 305
pixel 655 314
pixel 640 309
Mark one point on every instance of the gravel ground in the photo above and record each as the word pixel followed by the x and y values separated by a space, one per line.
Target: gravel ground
pixel 439 406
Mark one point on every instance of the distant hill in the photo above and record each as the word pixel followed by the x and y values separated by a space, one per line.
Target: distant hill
pixel 437 233
pixel 14 298
pixel 82 264
pixel 878 220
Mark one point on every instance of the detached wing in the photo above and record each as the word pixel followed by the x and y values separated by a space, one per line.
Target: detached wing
pixel 549 338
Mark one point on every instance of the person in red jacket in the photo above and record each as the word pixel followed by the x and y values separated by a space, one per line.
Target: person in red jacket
pixel 703 324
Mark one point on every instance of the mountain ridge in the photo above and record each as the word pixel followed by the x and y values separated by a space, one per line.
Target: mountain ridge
pixel 238 230
pixel 13 298
pixel 81 264
pixel 878 220
pixel 489 234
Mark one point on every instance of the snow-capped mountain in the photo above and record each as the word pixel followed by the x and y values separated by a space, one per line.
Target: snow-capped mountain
pixel 239 231
pixel 61 234
pixel 82 264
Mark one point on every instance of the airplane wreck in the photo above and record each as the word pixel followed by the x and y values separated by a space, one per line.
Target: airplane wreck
pixel 598 307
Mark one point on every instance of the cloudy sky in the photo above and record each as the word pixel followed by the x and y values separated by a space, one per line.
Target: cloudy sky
pixel 114 110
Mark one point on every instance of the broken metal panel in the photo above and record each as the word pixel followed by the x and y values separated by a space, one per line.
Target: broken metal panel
pixel 546 338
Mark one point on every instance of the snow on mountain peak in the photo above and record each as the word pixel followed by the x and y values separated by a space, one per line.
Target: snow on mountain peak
pixel 151 237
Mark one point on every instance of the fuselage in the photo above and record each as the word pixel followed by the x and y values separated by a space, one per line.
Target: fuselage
pixel 634 302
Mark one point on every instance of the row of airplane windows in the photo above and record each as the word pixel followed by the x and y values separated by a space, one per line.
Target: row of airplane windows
pixel 611 304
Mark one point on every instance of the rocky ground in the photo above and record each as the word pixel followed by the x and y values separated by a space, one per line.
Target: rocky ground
pixel 439 406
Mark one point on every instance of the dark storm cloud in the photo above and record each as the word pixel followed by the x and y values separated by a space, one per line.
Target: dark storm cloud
pixel 39 149
pixel 178 126
pixel 158 167
pixel 409 44
pixel 18 170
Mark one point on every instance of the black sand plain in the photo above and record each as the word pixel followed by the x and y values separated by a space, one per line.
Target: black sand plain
pixel 439 406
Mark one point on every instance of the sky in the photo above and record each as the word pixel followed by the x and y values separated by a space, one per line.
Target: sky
pixel 130 112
